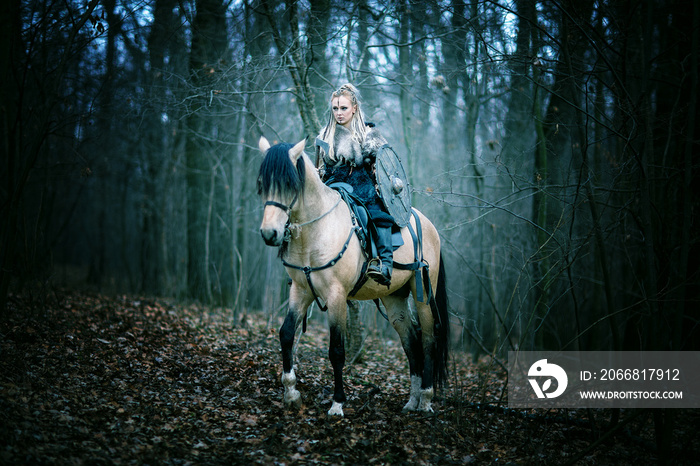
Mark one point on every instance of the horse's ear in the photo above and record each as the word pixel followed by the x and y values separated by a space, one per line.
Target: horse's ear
pixel 297 150
pixel 263 144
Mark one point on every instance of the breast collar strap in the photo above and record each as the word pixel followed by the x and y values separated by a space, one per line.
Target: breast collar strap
pixel 307 269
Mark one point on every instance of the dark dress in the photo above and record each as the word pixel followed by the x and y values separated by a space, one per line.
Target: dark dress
pixel 362 181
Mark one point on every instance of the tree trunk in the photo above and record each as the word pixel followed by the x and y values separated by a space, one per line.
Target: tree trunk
pixel 157 139
pixel 318 40
pixel 561 136
pixel 209 45
pixel 525 101
pixel 10 54
pixel 296 64
pixel 406 82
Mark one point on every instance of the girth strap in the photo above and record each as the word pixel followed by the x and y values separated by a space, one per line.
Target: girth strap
pixel 422 279
pixel 419 265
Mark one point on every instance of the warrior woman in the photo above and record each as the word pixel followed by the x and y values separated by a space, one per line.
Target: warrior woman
pixel 347 148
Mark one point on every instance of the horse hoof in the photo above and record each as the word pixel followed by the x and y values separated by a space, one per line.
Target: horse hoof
pixel 411 406
pixel 292 398
pixel 426 401
pixel 426 408
pixel 336 409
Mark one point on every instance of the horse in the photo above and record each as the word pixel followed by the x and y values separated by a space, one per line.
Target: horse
pixel 323 257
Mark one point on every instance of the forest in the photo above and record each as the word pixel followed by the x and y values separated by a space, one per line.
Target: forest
pixel 553 143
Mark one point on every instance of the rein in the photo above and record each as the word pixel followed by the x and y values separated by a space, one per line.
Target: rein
pixel 295 228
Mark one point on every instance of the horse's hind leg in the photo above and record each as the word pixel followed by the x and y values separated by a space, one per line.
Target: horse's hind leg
pixel 288 332
pixel 410 334
pixel 428 350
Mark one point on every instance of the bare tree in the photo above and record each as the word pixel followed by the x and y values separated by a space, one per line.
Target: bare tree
pixel 209 45
pixel 31 112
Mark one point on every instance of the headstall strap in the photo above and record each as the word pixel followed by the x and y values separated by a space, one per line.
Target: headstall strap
pixel 288 210
pixel 279 205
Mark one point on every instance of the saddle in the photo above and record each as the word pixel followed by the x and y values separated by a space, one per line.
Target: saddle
pixel 364 228
pixel 364 221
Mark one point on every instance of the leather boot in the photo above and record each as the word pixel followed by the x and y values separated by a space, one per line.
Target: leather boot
pixel 379 268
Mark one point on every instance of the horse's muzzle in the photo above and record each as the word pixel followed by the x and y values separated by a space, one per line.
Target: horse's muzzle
pixel 271 236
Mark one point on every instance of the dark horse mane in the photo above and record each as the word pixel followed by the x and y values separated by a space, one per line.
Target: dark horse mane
pixel 279 175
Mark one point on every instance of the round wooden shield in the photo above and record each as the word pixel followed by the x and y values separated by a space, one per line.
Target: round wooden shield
pixel 393 185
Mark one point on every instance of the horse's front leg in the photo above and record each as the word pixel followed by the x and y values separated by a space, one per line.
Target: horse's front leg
pixel 336 353
pixel 288 332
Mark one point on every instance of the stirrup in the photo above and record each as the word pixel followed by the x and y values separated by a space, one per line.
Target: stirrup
pixel 374 265
pixel 374 271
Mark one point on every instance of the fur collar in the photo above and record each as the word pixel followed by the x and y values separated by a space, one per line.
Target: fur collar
pixel 372 143
pixel 348 150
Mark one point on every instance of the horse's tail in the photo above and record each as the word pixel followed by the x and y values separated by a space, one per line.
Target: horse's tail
pixel 442 329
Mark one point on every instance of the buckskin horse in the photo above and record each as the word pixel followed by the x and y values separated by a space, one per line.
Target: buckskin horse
pixel 321 250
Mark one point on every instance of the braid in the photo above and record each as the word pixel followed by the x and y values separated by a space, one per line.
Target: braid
pixel 358 128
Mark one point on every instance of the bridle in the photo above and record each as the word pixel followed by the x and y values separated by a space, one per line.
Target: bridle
pixel 294 228
pixel 287 209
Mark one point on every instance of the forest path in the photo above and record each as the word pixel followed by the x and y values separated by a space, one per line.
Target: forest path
pixel 89 379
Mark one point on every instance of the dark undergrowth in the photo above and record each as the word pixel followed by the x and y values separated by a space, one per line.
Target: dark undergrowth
pixel 91 379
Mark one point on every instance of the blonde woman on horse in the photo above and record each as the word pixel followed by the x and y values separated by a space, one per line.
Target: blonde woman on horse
pixel 320 247
pixel 346 153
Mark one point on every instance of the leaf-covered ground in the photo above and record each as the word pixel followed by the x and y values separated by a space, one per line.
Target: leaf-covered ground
pixel 88 379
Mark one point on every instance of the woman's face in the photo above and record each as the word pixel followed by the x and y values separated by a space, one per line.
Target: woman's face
pixel 343 110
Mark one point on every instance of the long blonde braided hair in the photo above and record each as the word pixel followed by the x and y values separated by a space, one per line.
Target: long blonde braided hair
pixel 358 128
